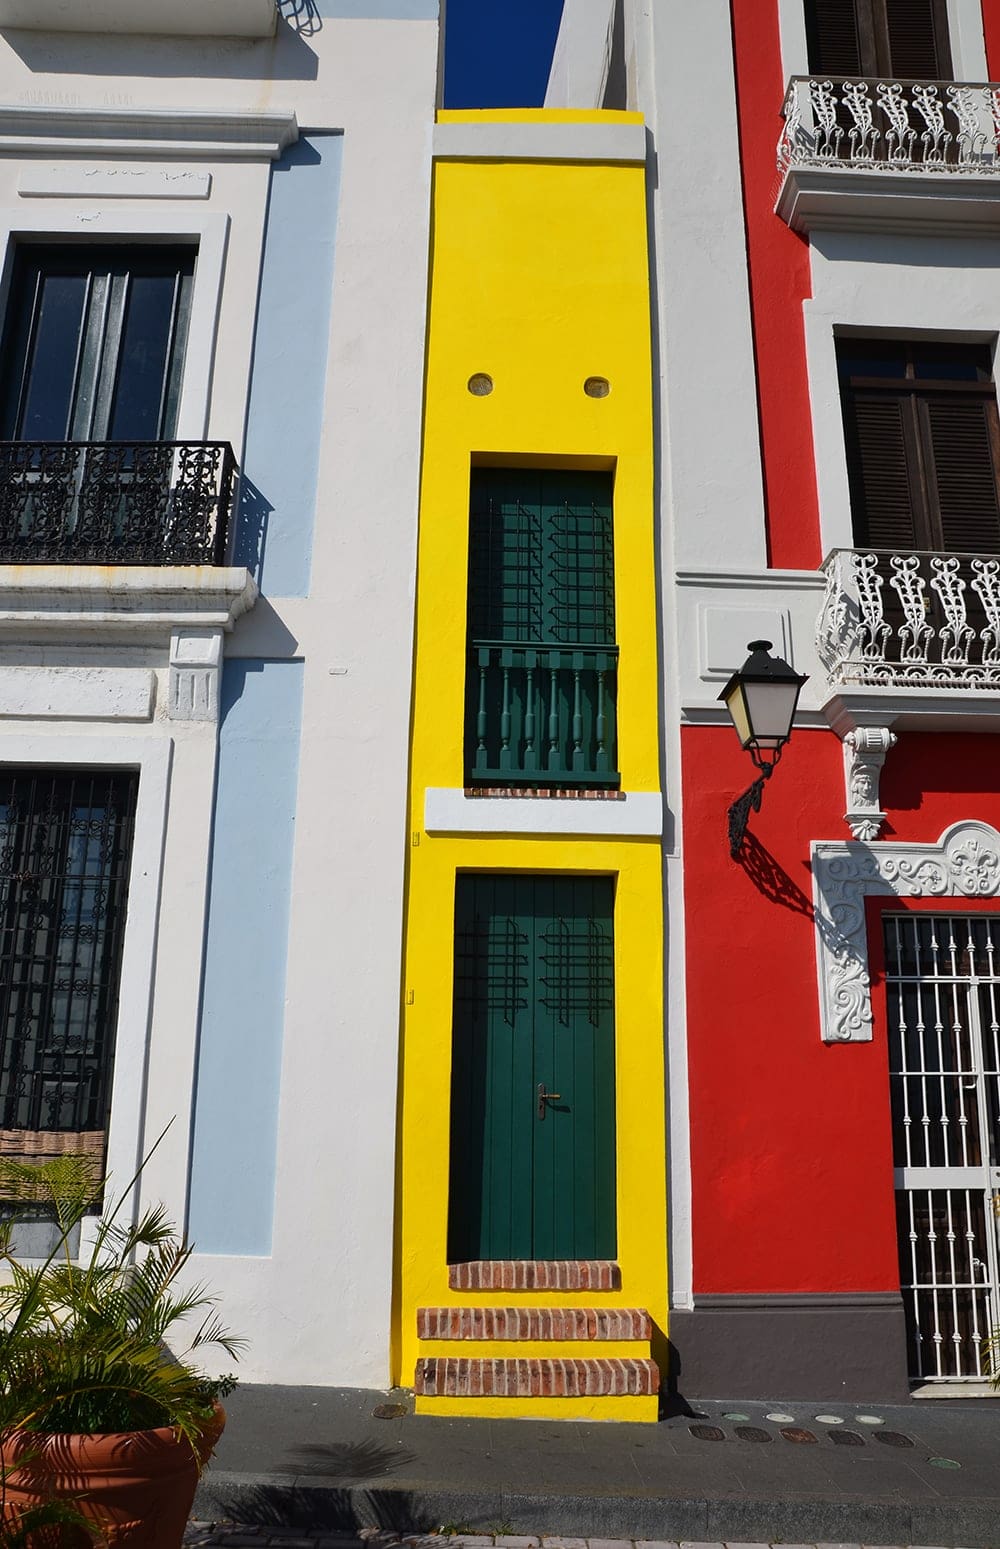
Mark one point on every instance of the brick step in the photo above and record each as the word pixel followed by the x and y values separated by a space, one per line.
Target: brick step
pixel 535 1275
pixel 536 1323
pixel 537 1377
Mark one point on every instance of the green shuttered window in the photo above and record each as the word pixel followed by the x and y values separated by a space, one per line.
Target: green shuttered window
pixel 542 664
pixel 533 1175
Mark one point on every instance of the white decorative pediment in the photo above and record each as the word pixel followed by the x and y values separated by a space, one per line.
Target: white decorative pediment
pixel 965 863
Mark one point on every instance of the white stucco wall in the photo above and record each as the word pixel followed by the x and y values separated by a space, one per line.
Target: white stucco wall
pixel 317 1308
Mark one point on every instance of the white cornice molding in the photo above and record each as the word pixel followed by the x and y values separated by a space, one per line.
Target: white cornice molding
pixel 964 863
pixel 152 132
pixel 925 203
pixel 754 580
pixel 160 18
pixel 847 708
pixel 95 602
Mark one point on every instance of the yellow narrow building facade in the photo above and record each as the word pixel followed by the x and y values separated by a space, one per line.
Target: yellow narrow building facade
pixel 531 1232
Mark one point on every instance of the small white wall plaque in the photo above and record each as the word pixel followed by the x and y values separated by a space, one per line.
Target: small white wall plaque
pixel 124 182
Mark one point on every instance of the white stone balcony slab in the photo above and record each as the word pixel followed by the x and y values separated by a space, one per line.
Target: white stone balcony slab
pixel 165 18
pixel 905 637
pixel 890 155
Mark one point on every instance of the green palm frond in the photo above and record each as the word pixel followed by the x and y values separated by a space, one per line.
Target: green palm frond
pixel 84 1345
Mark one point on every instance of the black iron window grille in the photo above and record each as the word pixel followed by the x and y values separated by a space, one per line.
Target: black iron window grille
pixel 65 850
pixel 115 503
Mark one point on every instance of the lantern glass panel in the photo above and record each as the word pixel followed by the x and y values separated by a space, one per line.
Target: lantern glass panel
pixel 770 708
pixel 737 706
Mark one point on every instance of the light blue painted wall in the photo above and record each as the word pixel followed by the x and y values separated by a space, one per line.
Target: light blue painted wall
pixel 285 417
pixel 239 1056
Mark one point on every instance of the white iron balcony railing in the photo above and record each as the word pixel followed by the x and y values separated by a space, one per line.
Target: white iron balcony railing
pixel 891 126
pixel 910 620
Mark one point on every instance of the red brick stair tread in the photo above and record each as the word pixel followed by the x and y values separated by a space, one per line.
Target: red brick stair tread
pixel 580 1323
pixel 535 1275
pixel 535 1377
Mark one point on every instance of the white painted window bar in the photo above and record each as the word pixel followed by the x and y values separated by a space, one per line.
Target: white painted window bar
pixel 943 994
pixel 898 126
pixel 920 619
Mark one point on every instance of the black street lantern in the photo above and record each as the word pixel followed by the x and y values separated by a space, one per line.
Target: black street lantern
pixel 761 699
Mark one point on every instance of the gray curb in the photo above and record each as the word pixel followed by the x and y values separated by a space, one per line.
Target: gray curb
pixel 281 1500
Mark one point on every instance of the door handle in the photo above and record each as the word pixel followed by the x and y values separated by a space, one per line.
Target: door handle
pixel 545 1097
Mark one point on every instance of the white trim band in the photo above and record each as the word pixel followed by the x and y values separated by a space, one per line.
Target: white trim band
pixel 540 142
pixel 636 815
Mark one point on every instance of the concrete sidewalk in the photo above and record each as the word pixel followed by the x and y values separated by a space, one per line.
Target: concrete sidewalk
pixel 927 1472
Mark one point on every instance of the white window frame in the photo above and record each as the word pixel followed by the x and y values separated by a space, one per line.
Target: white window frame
pixel 207 232
pixel 150 758
pixel 965 34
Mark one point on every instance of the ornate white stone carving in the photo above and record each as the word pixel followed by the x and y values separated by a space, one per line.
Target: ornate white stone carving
pixel 965 863
pixel 864 754
pixel 195 661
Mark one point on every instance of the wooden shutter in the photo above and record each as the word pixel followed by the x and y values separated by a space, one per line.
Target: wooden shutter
pixel 541 563
pixel 917 35
pixel 961 434
pixel 886 503
pixel 837 38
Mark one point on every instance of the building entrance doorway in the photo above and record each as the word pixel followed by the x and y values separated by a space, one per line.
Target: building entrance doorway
pixel 943 998
pixel 533 1069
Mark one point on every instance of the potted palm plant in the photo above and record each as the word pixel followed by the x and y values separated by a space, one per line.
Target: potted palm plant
pixel 100 1420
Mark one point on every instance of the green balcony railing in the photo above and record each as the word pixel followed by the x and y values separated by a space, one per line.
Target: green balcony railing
pixel 541 714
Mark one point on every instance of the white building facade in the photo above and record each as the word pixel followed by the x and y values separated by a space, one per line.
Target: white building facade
pixel 214 250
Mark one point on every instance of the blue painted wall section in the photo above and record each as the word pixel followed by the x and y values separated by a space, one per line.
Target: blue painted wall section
pixel 239 1056
pixel 285 418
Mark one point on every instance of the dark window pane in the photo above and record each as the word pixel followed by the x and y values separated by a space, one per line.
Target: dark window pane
pixel 94 343
pixel 52 365
pixel 143 358
pixel 871 358
pixel 952 363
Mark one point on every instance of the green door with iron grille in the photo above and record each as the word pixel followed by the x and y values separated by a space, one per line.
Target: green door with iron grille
pixel 533 1069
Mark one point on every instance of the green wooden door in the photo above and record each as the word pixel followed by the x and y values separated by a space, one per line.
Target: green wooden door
pixel 533 1176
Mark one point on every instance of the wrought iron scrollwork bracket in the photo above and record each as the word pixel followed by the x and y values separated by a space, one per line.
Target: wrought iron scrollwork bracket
pixel 739 812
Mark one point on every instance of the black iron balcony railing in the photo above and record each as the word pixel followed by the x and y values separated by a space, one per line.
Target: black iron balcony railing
pixel 115 502
pixel 541 714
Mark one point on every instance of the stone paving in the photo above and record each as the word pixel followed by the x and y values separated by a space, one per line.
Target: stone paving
pixel 231 1535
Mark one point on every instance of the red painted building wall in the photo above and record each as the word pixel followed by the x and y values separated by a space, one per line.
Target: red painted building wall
pixel 791 1144
pixel 790 1138
pixel 780 281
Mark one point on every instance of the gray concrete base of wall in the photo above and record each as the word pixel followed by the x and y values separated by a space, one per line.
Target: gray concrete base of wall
pixel 849 1347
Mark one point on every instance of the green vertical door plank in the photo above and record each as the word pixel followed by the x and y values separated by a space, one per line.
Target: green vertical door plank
pixel 468 1084
pixel 605 1150
pixel 514 1164
pixel 545 1201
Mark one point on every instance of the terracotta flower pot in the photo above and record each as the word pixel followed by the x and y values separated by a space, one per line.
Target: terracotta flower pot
pixel 136 1487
